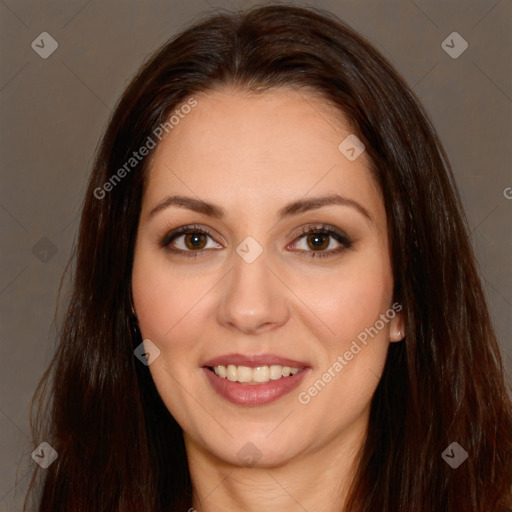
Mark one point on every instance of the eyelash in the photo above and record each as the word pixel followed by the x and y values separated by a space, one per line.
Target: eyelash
pixel 307 230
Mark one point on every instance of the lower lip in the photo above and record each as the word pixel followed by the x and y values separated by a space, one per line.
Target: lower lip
pixel 254 394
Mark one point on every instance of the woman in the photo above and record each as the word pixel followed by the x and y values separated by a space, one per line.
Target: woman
pixel 328 346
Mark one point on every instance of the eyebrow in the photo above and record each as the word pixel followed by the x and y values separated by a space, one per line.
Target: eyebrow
pixel 293 208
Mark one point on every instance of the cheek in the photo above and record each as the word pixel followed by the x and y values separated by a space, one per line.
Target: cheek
pixel 153 305
pixel 170 314
pixel 163 296
pixel 348 300
pixel 354 353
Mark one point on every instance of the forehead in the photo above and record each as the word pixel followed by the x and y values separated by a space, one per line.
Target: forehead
pixel 259 149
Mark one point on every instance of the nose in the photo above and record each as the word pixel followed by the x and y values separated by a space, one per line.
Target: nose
pixel 255 300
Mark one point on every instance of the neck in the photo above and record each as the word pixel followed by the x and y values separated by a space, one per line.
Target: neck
pixel 317 479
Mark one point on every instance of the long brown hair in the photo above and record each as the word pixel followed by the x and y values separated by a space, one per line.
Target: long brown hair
pixel 120 448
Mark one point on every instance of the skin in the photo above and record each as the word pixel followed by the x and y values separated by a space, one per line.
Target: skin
pixel 251 155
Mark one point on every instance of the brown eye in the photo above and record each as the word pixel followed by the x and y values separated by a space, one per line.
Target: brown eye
pixel 318 241
pixel 189 241
pixel 195 240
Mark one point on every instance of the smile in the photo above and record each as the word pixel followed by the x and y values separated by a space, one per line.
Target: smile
pixel 255 393
pixel 254 376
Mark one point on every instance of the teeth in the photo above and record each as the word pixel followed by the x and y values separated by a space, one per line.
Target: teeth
pixel 276 372
pixel 257 375
pixel 243 374
pixel 232 373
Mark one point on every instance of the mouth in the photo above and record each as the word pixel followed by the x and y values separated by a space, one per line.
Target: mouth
pixel 254 380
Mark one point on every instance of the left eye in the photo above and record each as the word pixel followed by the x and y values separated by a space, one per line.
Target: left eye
pixel 318 240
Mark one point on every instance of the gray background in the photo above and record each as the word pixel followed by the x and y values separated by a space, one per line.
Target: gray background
pixel 53 112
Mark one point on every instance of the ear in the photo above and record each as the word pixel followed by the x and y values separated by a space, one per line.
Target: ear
pixel 397 328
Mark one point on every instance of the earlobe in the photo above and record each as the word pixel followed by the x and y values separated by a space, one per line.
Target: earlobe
pixel 397 329
pixel 397 335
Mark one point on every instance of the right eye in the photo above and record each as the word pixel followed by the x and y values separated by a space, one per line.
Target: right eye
pixel 193 240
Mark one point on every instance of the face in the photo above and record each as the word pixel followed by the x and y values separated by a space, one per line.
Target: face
pixel 247 277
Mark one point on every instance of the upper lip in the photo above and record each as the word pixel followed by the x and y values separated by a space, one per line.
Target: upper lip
pixel 254 361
